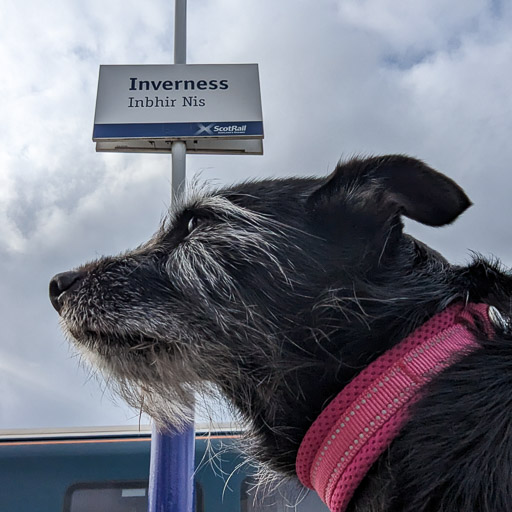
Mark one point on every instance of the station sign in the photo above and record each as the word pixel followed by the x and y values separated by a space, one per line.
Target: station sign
pixel 213 108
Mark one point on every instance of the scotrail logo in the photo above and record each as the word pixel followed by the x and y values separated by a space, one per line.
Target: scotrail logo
pixel 221 129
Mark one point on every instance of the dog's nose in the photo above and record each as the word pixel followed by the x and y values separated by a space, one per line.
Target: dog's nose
pixel 62 283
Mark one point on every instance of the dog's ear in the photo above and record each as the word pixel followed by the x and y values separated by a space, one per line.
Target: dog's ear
pixel 359 207
pixel 393 184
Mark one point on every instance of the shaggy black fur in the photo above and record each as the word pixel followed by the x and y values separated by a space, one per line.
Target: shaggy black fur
pixel 279 292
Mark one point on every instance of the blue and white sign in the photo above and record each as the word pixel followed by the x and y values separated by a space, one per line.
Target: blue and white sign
pixel 213 108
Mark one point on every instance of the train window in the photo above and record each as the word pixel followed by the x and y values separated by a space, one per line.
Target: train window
pixel 114 497
pixel 287 496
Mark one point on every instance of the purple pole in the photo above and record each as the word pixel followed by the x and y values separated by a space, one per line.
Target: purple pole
pixel 171 472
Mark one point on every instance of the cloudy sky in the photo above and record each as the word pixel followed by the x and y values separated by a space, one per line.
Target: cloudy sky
pixel 428 78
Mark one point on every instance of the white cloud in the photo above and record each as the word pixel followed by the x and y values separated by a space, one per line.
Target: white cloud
pixel 410 28
pixel 341 77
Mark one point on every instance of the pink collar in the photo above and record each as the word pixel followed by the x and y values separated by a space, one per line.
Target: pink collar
pixel 359 424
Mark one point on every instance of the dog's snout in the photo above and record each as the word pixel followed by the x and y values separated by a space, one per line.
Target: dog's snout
pixel 62 283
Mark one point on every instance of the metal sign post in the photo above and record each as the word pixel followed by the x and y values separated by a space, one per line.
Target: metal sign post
pixel 178 109
pixel 171 472
pixel 178 148
pixel 171 475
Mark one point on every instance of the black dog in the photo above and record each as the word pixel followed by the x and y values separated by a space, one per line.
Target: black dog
pixel 280 292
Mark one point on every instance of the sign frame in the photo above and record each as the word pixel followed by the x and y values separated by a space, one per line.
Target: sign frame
pixel 213 108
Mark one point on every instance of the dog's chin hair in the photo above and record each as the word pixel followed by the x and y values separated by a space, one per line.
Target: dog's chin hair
pixel 148 389
pixel 171 403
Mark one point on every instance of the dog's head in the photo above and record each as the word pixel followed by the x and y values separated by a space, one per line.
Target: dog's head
pixel 276 291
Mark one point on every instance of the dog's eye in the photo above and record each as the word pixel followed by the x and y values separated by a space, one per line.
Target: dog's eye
pixel 192 224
